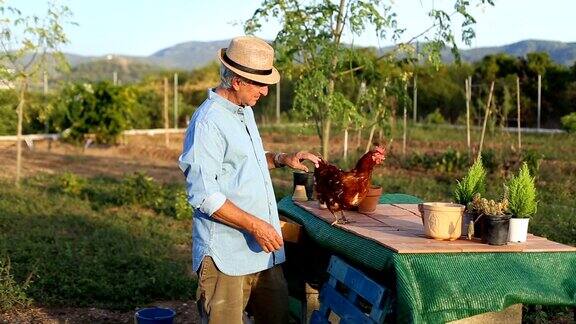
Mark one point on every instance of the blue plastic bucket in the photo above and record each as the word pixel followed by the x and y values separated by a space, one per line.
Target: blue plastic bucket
pixel 156 315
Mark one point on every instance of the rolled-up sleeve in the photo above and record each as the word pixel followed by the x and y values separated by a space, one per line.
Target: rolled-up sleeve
pixel 201 162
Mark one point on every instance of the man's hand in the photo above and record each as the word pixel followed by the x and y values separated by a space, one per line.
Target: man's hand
pixel 266 236
pixel 295 160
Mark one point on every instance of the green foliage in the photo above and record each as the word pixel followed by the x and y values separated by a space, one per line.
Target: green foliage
pixel 309 44
pixel 490 160
pixel 183 209
pixel 100 109
pixel 434 118
pixel 533 159
pixel 141 189
pixel 473 183
pixel 522 193
pixel 86 254
pixel 569 122
pixel 72 184
pixel 12 294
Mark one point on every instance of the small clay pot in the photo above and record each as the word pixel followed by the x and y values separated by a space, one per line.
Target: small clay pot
pixel 369 203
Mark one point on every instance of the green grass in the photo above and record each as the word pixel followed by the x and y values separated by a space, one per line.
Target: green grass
pixel 81 252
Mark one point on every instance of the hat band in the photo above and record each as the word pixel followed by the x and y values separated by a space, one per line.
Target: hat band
pixel 245 68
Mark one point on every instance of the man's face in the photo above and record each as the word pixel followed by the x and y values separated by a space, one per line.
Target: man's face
pixel 248 92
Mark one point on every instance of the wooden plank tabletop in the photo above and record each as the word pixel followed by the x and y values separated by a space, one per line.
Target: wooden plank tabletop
pixel 399 228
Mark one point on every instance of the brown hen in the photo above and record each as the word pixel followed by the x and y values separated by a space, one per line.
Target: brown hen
pixel 342 190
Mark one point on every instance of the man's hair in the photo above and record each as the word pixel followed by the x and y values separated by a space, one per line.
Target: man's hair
pixel 226 76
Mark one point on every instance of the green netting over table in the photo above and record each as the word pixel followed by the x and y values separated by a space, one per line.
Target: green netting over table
pixel 442 287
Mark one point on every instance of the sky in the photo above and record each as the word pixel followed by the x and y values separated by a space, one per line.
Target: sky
pixel 142 27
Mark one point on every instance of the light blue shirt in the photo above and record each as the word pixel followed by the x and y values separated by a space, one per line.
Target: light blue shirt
pixel 223 158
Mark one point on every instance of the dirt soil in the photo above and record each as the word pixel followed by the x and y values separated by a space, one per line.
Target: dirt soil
pixel 148 154
pixel 185 313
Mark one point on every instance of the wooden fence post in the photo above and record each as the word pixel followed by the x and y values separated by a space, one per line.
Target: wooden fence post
pixel 485 119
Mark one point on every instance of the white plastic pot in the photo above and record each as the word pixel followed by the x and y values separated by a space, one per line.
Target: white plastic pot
pixel 518 230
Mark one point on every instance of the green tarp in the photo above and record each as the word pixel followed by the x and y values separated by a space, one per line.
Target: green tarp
pixel 442 287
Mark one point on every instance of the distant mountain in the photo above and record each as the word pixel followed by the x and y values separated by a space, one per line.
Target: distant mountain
pixel 561 53
pixel 189 55
pixel 192 55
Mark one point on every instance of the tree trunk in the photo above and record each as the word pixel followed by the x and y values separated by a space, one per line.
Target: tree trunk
pixel 371 136
pixel 326 137
pixel 20 112
pixel 345 154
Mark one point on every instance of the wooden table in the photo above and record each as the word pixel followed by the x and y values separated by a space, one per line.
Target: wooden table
pixel 399 228
pixel 432 281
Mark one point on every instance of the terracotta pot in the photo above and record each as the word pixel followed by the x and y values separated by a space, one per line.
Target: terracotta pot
pixel 442 221
pixel 369 203
pixel 306 179
pixel 299 193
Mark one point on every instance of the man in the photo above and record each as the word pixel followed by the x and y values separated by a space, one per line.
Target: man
pixel 237 243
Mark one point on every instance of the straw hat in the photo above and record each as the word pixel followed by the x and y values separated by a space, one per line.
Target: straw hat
pixel 251 58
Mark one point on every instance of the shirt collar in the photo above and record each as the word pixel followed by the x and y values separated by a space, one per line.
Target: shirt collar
pixel 227 104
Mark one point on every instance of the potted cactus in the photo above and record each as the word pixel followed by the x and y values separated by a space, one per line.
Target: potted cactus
pixel 473 183
pixel 495 219
pixel 522 203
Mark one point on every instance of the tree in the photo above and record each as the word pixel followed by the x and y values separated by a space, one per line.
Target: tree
pixel 310 39
pixel 29 44
pixel 101 109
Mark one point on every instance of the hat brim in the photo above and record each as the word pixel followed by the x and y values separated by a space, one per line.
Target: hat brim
pixel 271 78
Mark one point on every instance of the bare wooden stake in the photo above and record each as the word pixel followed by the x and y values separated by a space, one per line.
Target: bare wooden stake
pixel 278 102
pixel 485 119
pixel 405 123
pixel 468 96
pixel 539 99
pixel 176 100
pixel 166 123
pixel 518 105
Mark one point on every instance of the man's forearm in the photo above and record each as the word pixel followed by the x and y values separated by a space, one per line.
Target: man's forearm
pixel 264 233
pixel 233 216
pixel 275 159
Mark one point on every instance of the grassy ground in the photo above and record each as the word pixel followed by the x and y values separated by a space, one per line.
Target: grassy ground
pixel 117 239
pixel 82 243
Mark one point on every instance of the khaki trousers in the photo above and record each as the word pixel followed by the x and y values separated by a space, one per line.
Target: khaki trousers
pixel 222 298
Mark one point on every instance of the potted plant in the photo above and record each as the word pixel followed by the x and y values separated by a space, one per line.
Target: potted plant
pixel 473 183
pixel 495 219
pixel 522 203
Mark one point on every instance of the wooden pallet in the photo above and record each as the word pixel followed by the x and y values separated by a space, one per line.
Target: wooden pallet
pixel 352 296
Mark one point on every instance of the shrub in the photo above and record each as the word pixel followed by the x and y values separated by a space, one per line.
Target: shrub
pixel 12 294
pixel 569 122
pixel 100 109
pixel 451 160
pixel 435 118
pixel 522 193
pixel 71 184
pixel 533 159
pixel 183 210
pixel 141 189
pixel 472 184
